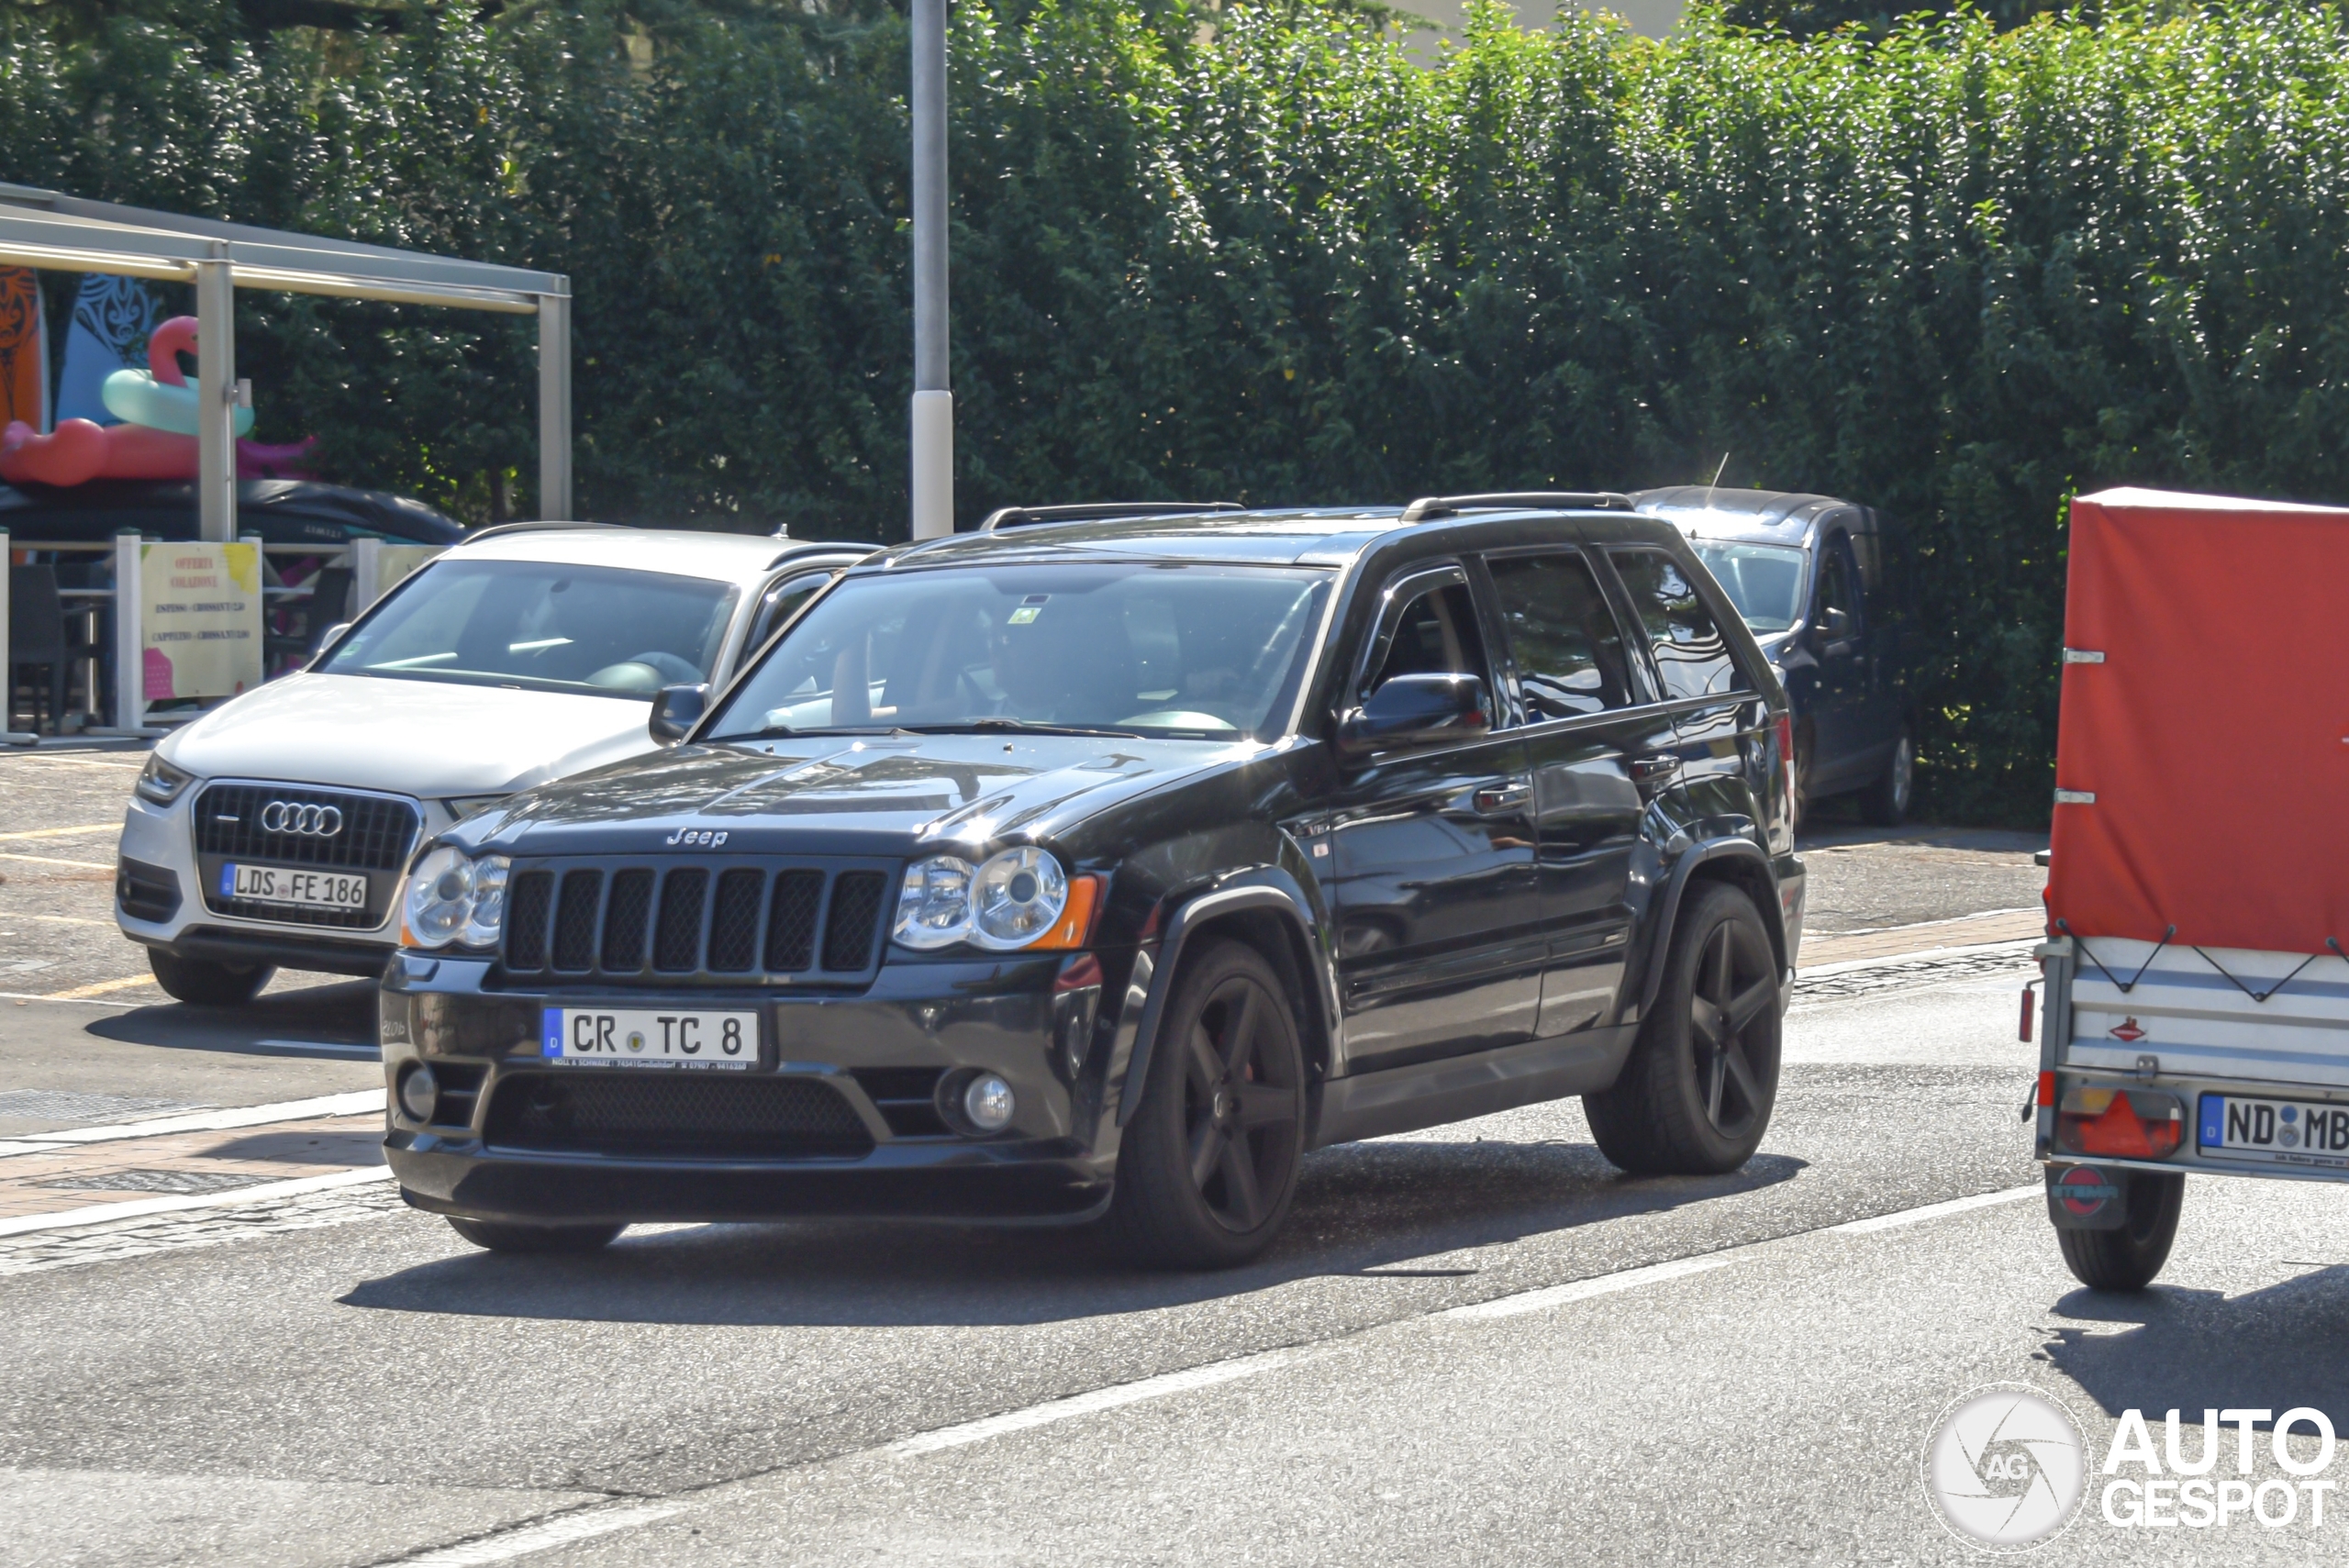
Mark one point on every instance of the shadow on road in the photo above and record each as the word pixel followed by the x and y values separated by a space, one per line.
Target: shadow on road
pixel 2197 1350
pixel 1361 1209
pixel 327 1021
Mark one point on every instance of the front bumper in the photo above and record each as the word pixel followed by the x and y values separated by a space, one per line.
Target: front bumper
pixel 159 902
pixel 864 1055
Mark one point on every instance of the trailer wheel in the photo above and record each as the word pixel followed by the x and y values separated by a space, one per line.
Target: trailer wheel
pixel 2129 1257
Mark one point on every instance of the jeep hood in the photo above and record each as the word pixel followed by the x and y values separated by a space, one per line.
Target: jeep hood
pixel 879 794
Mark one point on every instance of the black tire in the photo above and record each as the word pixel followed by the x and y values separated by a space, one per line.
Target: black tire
pixel 1695 1098
pixel 499 1236
pixel 1885 802
pixel 1208 1165
pixel 2129 1257
pixel 202 983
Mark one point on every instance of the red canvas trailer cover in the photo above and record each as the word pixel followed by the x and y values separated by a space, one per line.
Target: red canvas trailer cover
pixel 2202 757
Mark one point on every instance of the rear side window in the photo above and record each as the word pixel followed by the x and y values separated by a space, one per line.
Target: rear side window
pixel 1568 651
pixel 1690 653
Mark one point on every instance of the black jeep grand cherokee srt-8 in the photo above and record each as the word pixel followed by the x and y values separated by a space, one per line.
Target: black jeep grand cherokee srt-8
pixel 1099 868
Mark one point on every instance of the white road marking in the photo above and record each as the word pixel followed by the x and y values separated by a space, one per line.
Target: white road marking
pixel 1109 1398
pixel 359 1102
pixel 331 1046
pixel 1602 1284
pixel 61 833
pixel 132 1209
pixel 1935 1210
pixel 562 1532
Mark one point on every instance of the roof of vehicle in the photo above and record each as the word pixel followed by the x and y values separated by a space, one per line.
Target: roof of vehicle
pixel 1760 516
pixel 728 558
pixel 282 511
pixel 1293 536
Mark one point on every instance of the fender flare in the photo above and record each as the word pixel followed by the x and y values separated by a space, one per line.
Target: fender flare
pixel 1668 915
pixel 1264 889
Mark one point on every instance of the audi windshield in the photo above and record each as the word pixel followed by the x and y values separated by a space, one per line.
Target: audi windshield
pixel 544 625
pixel 1198 651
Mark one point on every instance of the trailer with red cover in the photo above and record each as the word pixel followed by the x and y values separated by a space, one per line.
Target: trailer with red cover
pixel 2195 1005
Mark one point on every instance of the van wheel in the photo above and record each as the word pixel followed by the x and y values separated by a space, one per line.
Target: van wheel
pixel 1208 1165
pixel 204 983
pixel 1695 1098
pixel 499 1236
pixel 1885 802
pixel 2129 1257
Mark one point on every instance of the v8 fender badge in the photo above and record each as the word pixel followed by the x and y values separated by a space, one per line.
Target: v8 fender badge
pixel 697 838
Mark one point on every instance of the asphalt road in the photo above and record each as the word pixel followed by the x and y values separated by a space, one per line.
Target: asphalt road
pixel 1446 1360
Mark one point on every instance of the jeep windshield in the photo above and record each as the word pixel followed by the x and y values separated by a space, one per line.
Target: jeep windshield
pixel 1764 581
pixel 1199 651
pixel 544 625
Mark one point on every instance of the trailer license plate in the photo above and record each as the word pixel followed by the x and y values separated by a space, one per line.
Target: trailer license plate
pixel 2275 1133
pixel 599 1037
pixel 287 884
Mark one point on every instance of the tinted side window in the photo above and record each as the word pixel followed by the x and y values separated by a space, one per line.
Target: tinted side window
pixel 783 602
pixel 1569 651
pixel 1434 634
pixel 1689 650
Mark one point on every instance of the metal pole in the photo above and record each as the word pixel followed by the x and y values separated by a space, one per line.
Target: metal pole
pixel 216 401
pixel 130 626
pixel 555 408
pixel 9 671
pixel 933 404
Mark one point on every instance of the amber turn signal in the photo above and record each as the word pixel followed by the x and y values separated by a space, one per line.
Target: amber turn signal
pixel 1074 928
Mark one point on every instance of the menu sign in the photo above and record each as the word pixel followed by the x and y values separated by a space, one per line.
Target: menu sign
pixel 200 618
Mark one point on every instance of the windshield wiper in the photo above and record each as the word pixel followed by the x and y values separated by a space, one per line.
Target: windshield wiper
pixel 1019 727
pixel 775 731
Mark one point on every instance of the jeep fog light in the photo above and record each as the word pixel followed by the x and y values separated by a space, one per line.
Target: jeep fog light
pixel 988 1102
pixel 420 1092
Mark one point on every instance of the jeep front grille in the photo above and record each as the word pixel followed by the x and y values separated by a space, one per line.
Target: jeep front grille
pixel 689 923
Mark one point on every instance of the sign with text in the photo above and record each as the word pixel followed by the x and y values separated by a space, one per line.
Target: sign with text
pixel 200 619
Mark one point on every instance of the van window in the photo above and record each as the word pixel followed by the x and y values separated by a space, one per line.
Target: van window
pixel 1690 653
pixel 1568 649
pixel 1835 582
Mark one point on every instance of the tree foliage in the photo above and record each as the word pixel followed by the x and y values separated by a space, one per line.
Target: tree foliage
pixel 1952 271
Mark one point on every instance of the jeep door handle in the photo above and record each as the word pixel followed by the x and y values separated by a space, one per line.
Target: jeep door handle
pixel 1497 798
pixel 1654 769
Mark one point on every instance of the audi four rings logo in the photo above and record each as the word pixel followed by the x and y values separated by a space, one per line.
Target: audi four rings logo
pixel 309 821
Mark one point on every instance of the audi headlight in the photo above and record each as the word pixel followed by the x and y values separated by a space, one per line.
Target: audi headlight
pixel 452 896
pixel 162 782
pixel 1011 901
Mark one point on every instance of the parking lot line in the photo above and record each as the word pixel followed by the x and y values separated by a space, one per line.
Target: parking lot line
pixel 99 988
pixel 561 1531
pixel 52 861
pixel 1582 1290
pixel 98 1213
pixel 1935 1210
pixel 61 832
pixel 358 1102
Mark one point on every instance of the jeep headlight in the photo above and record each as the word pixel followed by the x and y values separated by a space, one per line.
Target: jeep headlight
pixel 1010 901
pixel 454 897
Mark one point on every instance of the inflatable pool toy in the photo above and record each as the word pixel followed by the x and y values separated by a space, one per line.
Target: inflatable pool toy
pixel 158 397
pixel 157 439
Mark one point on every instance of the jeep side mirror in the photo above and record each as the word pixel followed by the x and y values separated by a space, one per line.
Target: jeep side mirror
pixel 674 711
pixel 1416 710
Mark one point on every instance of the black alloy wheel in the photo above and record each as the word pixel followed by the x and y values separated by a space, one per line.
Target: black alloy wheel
pixel 1209 1164
pixel 1695 1098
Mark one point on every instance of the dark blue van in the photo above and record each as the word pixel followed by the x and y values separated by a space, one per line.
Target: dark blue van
pixel 1808 573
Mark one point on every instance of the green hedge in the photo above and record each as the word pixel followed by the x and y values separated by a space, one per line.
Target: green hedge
pixel 1952 272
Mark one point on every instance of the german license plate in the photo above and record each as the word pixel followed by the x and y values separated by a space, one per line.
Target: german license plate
pixel 2273 1132
pixel 290 885
pixel 623 1037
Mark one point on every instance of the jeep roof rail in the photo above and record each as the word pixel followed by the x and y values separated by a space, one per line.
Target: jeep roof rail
pixel 1427 508
pixel 1089 511
pixel 498 530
